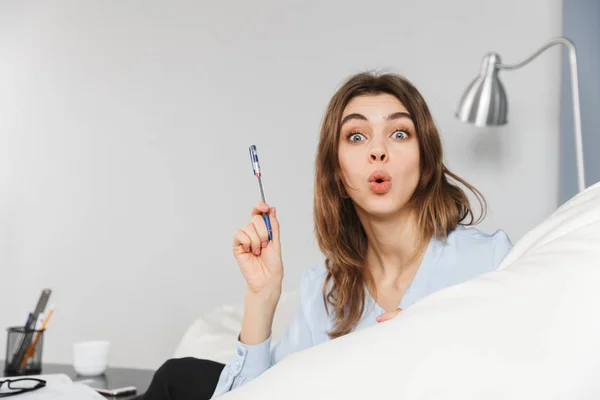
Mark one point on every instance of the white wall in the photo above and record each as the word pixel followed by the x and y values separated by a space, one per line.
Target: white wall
pixel 124 130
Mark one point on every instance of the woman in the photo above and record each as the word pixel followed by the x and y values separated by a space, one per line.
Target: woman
pixel 391 224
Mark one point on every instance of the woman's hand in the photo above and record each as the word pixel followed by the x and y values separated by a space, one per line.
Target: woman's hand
pixel 258 258
pixel 388 315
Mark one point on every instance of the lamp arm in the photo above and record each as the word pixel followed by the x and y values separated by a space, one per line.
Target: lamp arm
pixel 555 41
pixel 574 94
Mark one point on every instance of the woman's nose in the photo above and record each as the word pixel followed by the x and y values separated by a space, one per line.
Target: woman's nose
pixel 378 155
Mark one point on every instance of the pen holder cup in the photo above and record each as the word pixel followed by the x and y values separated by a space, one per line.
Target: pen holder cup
pixel 23 351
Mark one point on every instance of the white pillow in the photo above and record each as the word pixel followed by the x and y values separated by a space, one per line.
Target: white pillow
pixel 212 336
pixel 530 330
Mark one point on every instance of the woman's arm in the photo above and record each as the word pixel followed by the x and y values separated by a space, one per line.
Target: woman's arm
pixel 250 359
pixel 259 310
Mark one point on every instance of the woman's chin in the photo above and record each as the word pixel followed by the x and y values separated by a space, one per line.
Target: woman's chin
pixel 380 208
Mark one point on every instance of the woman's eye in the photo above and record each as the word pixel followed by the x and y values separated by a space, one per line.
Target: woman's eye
pixel 356 137
pixel 400 134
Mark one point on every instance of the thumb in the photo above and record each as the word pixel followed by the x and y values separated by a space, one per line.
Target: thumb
pixel 274 227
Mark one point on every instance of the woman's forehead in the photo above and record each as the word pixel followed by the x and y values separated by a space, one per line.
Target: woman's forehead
pixel 374 106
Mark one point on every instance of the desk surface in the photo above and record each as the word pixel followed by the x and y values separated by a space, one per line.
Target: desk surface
pixel 113 378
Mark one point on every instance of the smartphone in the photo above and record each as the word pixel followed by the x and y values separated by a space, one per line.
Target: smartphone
pixel 124 391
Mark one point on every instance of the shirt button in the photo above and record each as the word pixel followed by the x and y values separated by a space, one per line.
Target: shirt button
pixel 240 352
pixel 237 364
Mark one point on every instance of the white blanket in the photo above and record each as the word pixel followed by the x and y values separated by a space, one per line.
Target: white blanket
pixel 528 331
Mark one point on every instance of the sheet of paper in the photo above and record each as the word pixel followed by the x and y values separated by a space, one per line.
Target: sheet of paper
pixel 58 386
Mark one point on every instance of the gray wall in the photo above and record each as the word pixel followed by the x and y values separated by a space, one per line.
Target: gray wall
pixel 581 24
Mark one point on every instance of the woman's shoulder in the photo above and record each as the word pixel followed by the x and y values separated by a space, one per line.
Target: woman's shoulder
pixel 311 286
pixel 469 233
pixel 475 244
pixel 313 278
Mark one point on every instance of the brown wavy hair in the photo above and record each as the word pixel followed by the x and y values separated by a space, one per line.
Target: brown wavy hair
pixel 439 203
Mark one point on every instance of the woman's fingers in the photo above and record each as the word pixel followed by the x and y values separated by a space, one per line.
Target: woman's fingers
pixel 255 235
pixel 388 315
pixel 260 208
pixel 240 238
pixel 255 242
pixel 261 229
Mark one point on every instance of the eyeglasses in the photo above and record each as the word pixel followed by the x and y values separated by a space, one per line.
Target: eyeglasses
pixel 20 385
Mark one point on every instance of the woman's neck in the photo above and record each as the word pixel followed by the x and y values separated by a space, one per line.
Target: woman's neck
pixel 393 252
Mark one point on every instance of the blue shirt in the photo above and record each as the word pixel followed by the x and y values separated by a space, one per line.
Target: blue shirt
pixel 465 254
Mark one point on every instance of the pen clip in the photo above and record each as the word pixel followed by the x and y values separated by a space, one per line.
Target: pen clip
pixel 254 161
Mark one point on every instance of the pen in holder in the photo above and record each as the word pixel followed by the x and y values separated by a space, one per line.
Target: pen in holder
pixel 23 351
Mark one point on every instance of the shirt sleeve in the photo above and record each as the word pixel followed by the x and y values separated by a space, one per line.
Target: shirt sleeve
pixel 502 247
pixel 250 362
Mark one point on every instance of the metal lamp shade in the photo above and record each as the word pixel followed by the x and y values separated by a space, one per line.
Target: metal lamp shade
pixel 484 102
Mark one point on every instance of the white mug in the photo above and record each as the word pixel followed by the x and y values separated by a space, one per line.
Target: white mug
pixel 90 358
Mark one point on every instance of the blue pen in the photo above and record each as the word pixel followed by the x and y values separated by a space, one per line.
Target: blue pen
pixel 28 322
pixel 256 169
pixel 20 338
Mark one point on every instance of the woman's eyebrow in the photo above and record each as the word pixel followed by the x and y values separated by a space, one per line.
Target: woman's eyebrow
pixel 392 116
pixel 399 115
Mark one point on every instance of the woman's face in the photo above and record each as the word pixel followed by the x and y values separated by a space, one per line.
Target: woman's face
pixel 378 153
